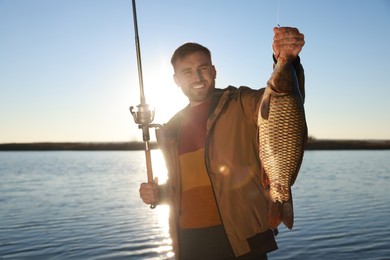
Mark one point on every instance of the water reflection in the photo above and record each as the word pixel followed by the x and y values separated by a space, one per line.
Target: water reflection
pixel 166 243
pixel 160 171
pixel 86 205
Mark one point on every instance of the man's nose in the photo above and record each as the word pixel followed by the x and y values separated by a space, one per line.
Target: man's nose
pixel 199 75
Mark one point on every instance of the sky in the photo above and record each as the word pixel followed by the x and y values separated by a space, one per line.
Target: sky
pixel 68 68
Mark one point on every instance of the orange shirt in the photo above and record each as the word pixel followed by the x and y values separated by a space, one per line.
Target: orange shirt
pixel 198 206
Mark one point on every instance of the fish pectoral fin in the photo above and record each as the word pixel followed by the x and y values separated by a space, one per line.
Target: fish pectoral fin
pixel 264 106
pixel 264 178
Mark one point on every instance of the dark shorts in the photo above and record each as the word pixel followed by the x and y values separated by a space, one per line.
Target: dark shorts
pixel 204 243
pixel 212 243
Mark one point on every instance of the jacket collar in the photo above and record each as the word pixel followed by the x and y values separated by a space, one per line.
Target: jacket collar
pixel 219 99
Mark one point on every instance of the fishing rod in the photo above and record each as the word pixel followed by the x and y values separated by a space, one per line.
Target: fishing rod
pixel 144 116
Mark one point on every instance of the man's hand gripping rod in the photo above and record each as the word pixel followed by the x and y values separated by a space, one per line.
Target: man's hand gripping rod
pixel 143 116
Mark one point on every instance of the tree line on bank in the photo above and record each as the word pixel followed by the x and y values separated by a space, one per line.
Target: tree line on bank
pixel 312 144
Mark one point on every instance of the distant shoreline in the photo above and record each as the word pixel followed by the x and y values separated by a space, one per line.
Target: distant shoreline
pixel 135 146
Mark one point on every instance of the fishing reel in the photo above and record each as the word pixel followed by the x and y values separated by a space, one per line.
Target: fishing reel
pixel 144 116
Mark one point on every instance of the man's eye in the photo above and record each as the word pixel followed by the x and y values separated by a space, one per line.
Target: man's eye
pixel 187 72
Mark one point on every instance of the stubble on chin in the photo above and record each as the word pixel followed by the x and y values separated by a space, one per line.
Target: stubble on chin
pixel 200 96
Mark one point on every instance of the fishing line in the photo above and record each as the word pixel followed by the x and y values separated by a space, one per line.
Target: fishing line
pixel 278 14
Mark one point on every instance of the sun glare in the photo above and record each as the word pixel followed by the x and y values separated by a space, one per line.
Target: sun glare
pixel 159 167
pixel 163 94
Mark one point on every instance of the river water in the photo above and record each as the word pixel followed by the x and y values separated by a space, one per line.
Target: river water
pixel 85 205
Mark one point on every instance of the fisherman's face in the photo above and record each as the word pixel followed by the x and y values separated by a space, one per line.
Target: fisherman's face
pixel 195 75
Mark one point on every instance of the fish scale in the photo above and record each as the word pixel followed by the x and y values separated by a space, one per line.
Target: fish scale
pixel 282 133
pixel 281 141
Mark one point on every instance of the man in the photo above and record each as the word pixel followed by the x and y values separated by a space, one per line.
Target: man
pixel 219 208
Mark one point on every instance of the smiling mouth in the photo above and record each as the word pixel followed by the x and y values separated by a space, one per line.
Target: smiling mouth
pixel 198 86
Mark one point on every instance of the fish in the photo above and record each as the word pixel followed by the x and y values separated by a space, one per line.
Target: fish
pixel 282 132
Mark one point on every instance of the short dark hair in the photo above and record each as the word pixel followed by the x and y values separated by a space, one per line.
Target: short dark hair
pixel 186 49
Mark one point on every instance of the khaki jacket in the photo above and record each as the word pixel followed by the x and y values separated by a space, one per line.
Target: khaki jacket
pixel 232 162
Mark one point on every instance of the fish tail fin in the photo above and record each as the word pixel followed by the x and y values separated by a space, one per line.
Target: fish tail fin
pixel 281 212
pixel 275 212
pixel 288 214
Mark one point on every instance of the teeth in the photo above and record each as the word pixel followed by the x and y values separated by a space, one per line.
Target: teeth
pixel 197 86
